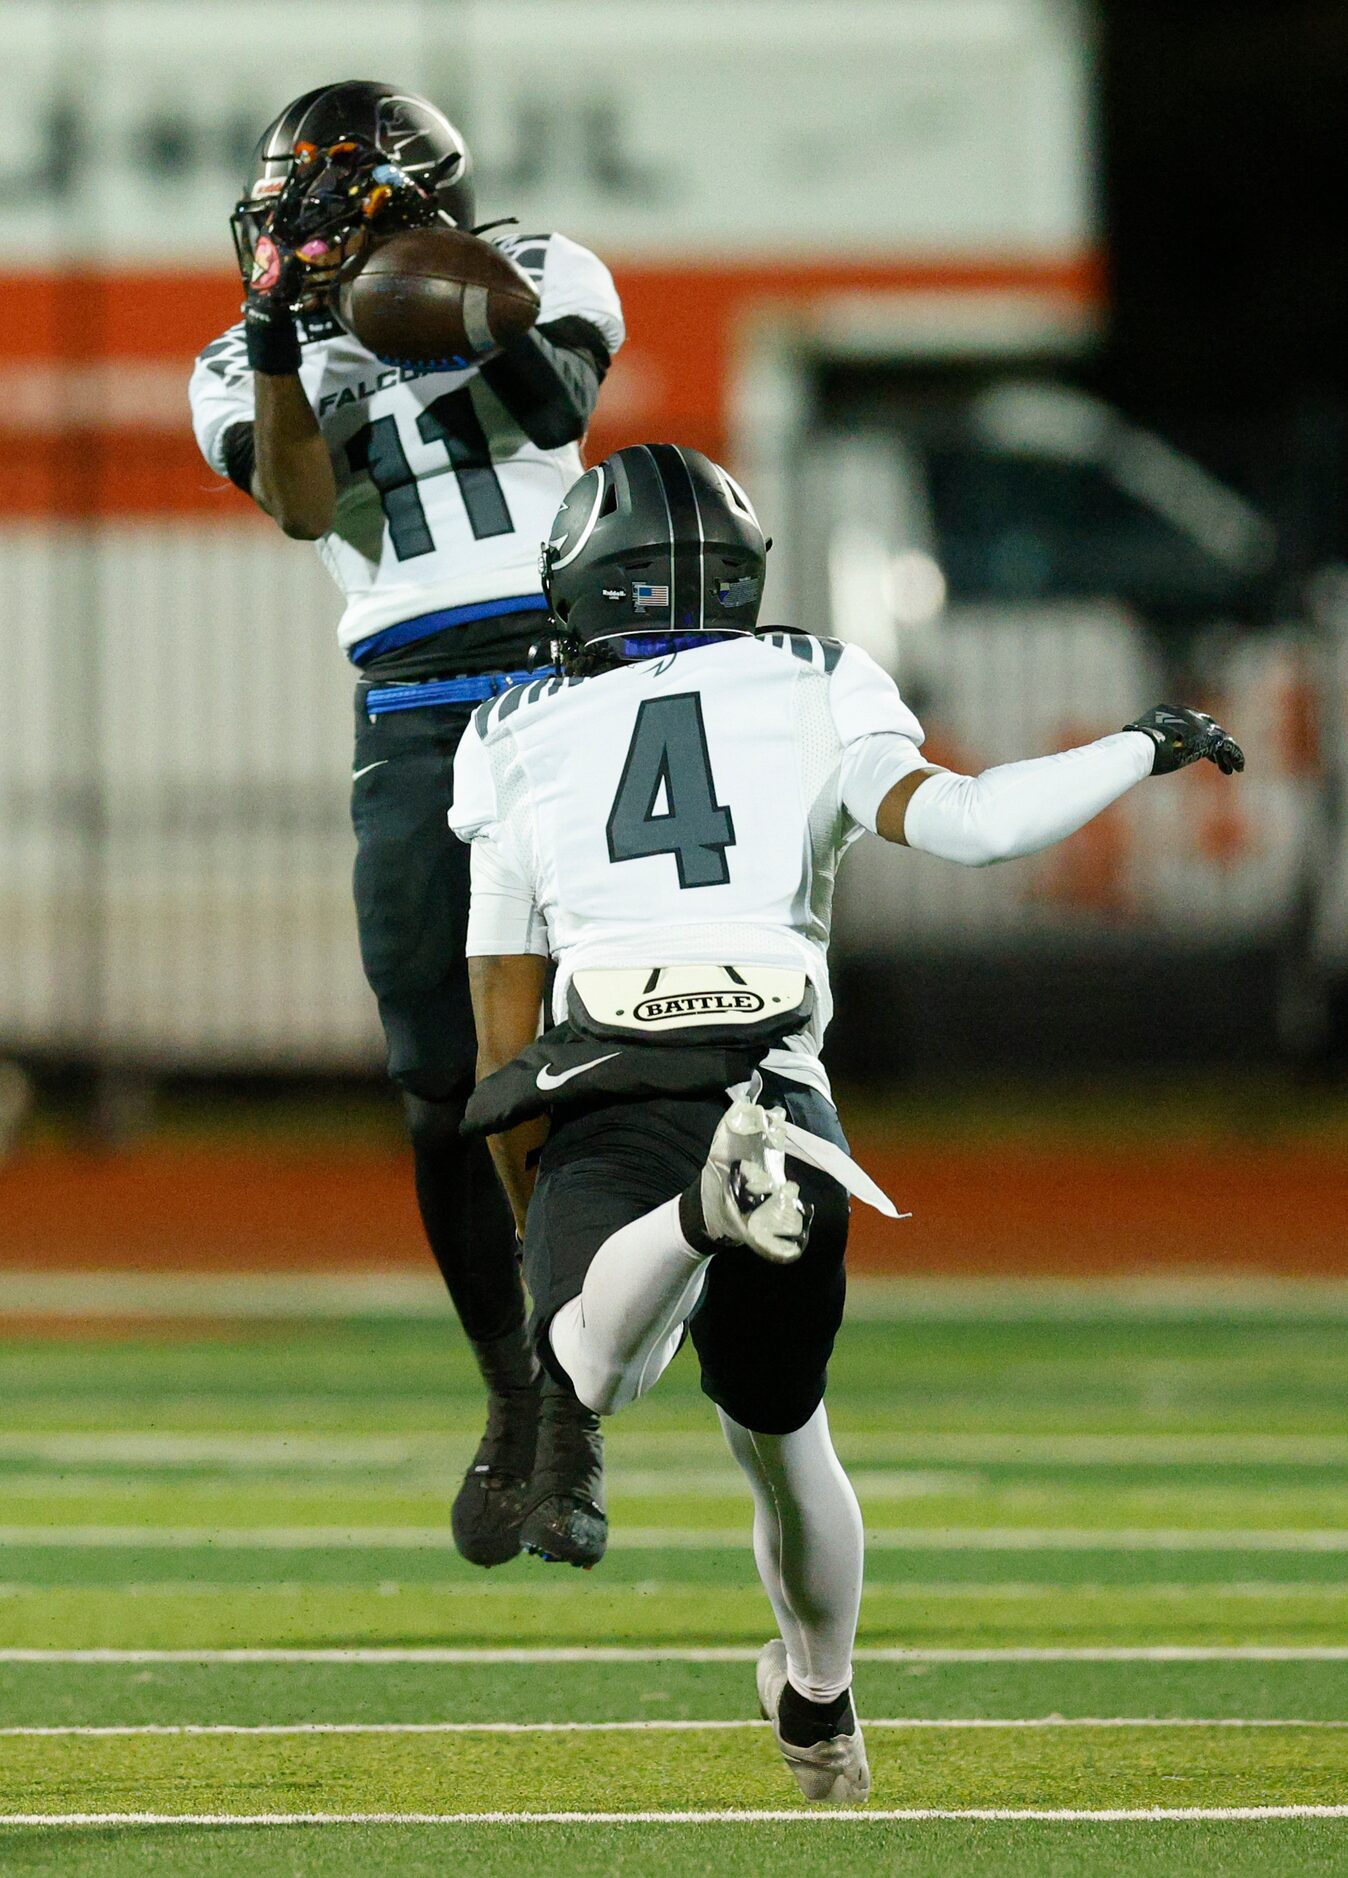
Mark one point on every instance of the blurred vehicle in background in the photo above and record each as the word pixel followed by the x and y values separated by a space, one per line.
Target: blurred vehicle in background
pixel 1019 495
pixel 1023 558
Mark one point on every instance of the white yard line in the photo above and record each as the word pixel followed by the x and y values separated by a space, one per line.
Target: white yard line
pixel 142 1448
pixel 1103 1450
pixel 277 1475
pixel 675 1538
pixel 796 1816
pixel 301 1448
pixel 701 1653
pixel 647 1726
pixel 913 1591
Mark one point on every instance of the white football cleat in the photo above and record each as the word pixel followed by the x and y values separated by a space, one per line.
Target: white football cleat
pixel 746 1196
pixel 832 1772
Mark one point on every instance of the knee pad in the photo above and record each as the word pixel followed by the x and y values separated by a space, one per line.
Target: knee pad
pixel 431 1122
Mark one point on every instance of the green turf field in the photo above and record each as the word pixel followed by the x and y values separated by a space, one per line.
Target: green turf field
pixel 1108 1576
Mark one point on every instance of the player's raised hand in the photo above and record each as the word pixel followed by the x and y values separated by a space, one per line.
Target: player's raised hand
pixel 318 222
pixel 314 229
pixel 1182 736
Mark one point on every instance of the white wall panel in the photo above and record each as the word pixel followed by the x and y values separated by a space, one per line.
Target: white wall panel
pixel 175 850
pixel 655 128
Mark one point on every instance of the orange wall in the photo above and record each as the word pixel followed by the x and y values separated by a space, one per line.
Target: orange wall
pixel 75 443
pixel 984 1209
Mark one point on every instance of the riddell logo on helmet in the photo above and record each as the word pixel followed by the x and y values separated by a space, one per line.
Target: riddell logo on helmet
pixel 698 1004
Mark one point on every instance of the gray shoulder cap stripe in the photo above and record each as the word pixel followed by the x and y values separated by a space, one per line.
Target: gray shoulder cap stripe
pixel 511 701
pixel 833 650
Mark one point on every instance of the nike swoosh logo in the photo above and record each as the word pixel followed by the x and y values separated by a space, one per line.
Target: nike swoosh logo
pixel 356 774
pixel 553 1079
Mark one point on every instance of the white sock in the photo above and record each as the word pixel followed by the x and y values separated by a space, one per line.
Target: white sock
pixel 809 1547
pixel 616 1339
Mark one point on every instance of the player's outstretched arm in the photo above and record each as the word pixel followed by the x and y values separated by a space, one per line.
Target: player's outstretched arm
pixel 1019 808
pixel 507 991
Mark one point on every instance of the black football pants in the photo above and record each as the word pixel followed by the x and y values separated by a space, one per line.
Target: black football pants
pixel 763 1333
pixel 411 888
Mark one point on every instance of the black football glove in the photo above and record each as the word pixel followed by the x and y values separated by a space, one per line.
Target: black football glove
pixel 1182 736
pixel 335 197
pixel 274 284
pixel 332 201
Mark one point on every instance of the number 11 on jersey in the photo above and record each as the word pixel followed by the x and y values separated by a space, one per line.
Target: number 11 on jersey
pixel 453 421
pixel 666 800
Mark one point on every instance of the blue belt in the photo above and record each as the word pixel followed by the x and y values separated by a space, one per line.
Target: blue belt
pixel 408 631
pixel 415 697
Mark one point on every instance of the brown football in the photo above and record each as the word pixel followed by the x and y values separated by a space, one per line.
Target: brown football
pixel 437 296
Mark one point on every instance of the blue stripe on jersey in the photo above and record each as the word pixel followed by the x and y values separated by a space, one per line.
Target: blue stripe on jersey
pixel 408 631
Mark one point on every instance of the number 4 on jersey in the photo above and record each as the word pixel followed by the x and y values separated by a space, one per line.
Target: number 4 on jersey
pixel 666 802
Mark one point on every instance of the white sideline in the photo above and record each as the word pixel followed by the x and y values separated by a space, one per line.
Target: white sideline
pixel 677 1538
pixel 413 1293
pixel 699 1653
pixel 727 1817
pixel 656 1726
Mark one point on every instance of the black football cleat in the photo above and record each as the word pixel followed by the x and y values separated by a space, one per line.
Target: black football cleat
pixel 565 1523
pixel 490 1505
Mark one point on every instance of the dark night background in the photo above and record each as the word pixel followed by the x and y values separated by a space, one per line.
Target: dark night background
pixel 1224 126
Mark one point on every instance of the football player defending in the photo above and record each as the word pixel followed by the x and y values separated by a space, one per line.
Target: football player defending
pixel 664 822
pixel 427 490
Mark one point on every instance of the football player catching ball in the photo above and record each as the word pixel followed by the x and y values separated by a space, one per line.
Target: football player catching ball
pixel 427 487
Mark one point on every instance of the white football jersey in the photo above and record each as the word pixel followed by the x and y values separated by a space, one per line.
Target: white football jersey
pixel 442 501
pixel 689 809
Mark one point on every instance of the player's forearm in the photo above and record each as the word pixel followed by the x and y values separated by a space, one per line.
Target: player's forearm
pixel 293 477
pixel 1019 808
pixel 507 994
pixel 549 380
pixel 515 1156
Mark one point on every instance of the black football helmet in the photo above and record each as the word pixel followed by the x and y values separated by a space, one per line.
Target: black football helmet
pixel 653 549
pixel 397 126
